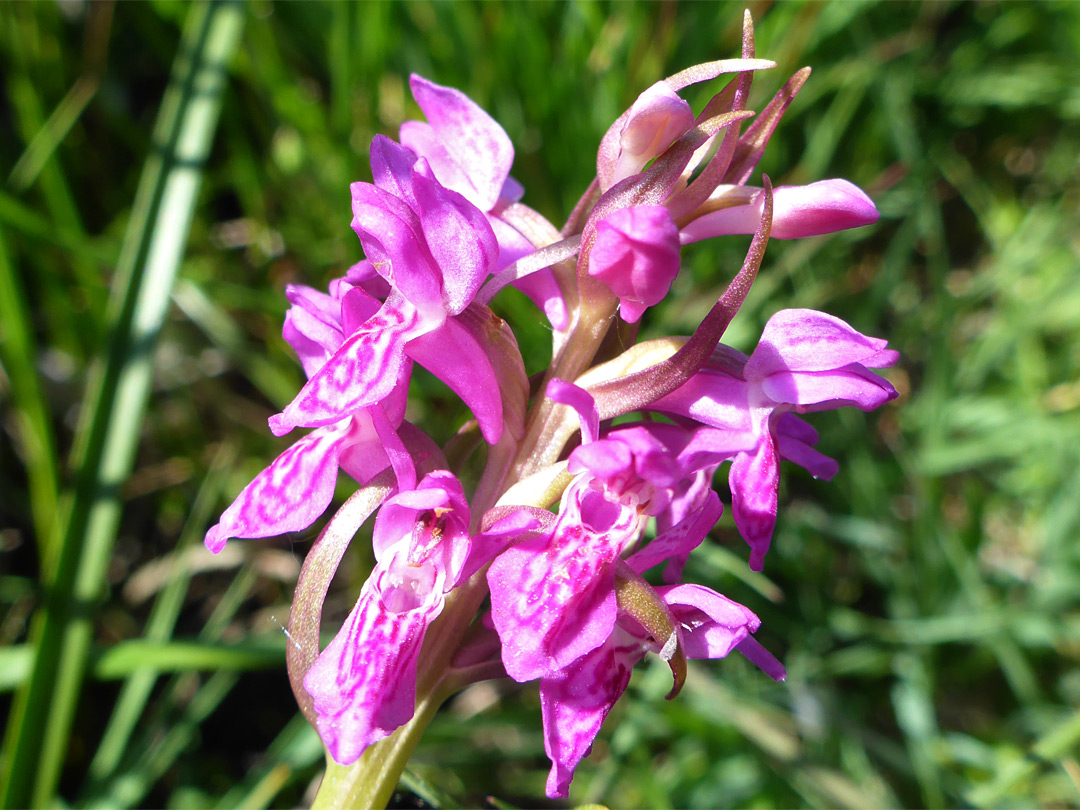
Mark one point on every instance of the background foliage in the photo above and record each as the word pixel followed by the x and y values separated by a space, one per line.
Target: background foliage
pixel 925 601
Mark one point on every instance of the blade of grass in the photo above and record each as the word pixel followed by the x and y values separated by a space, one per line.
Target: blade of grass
pixel 35 437
pixel 131 786
pixel 296 748
pixel 1048 750
pixel 36 740
pixel 21 218
pixel 159 627
pixel 164 739
pixel 52 132
pixel 130 658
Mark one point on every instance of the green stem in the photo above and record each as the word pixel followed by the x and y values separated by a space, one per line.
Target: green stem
pixel 371 780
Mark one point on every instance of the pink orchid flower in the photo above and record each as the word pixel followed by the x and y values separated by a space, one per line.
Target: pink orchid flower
pixel 364 682
pixel 434 248
pixel 805 361
pixel 576 699
pixel 471 154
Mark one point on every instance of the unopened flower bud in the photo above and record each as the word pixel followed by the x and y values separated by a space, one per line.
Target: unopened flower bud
pixel 818 208
pixel 655 121
pixel 637 255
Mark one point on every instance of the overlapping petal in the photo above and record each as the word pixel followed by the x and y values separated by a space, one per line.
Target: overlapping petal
pixel 363 371
pixel 476 153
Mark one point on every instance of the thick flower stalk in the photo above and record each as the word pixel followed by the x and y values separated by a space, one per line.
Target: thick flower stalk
pixel 578 528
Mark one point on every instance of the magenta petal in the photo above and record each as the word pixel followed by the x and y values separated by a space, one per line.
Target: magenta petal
pixel 358 306
pixel 800 452
pixel 391 168
pixel 657 118
pixel 853 385
pixel 754 479
pixel 422 139
pixel 543 290
pixel 478 144
pixel 826 206
pixel 288 495
pixel 313 341
pixel 712 398
pixel 393 240
pixel 489 544
pixel 575 701
pixel 325 307
pixel 680 539
pixel 437 506
pixel 820 208
pixel 458 236
pixel 363 457
pixel 454 355
pixel 807 340
pixel 580 400
pixel 364 682
pixel 761 658
pixel 712 624
pixel 362 372
pixel 552 600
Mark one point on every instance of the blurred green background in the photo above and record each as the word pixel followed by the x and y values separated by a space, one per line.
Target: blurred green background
pixel 925 601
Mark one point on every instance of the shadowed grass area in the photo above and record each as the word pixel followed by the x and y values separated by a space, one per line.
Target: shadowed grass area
pixel 925 601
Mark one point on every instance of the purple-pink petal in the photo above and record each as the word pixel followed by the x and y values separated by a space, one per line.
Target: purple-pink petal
pixel 362 372
pixel 807 340
pixel 553 598
pixel 796 445
pixel 580 400
pixel 761 658
pixel 393 241
pixel 458 236
pixel 575 701
pixel 476 142
pixel 754 479
pixel 820 208
pixel 364 682
pixel 288 495
pixel 682 538
pixel 657 118
pixel 455 355
pixel 636 253
pixel 853 385
pixel 712 624
pixel 712 398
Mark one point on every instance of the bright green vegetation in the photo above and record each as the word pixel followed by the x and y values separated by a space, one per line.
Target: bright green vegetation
pixel 926 602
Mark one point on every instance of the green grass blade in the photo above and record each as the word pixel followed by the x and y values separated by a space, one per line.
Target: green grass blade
pixel 159 627
pixel 295 749
pixel 37 442
pixel 36 741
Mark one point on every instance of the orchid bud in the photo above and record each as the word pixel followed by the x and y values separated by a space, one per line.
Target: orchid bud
pixel 656 119
pixel 637 255
pixel 819 208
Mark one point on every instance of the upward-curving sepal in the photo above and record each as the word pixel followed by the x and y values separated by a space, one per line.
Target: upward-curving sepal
pixel 466 147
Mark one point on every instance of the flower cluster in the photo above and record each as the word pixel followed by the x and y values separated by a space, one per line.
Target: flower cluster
pixel 555 537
